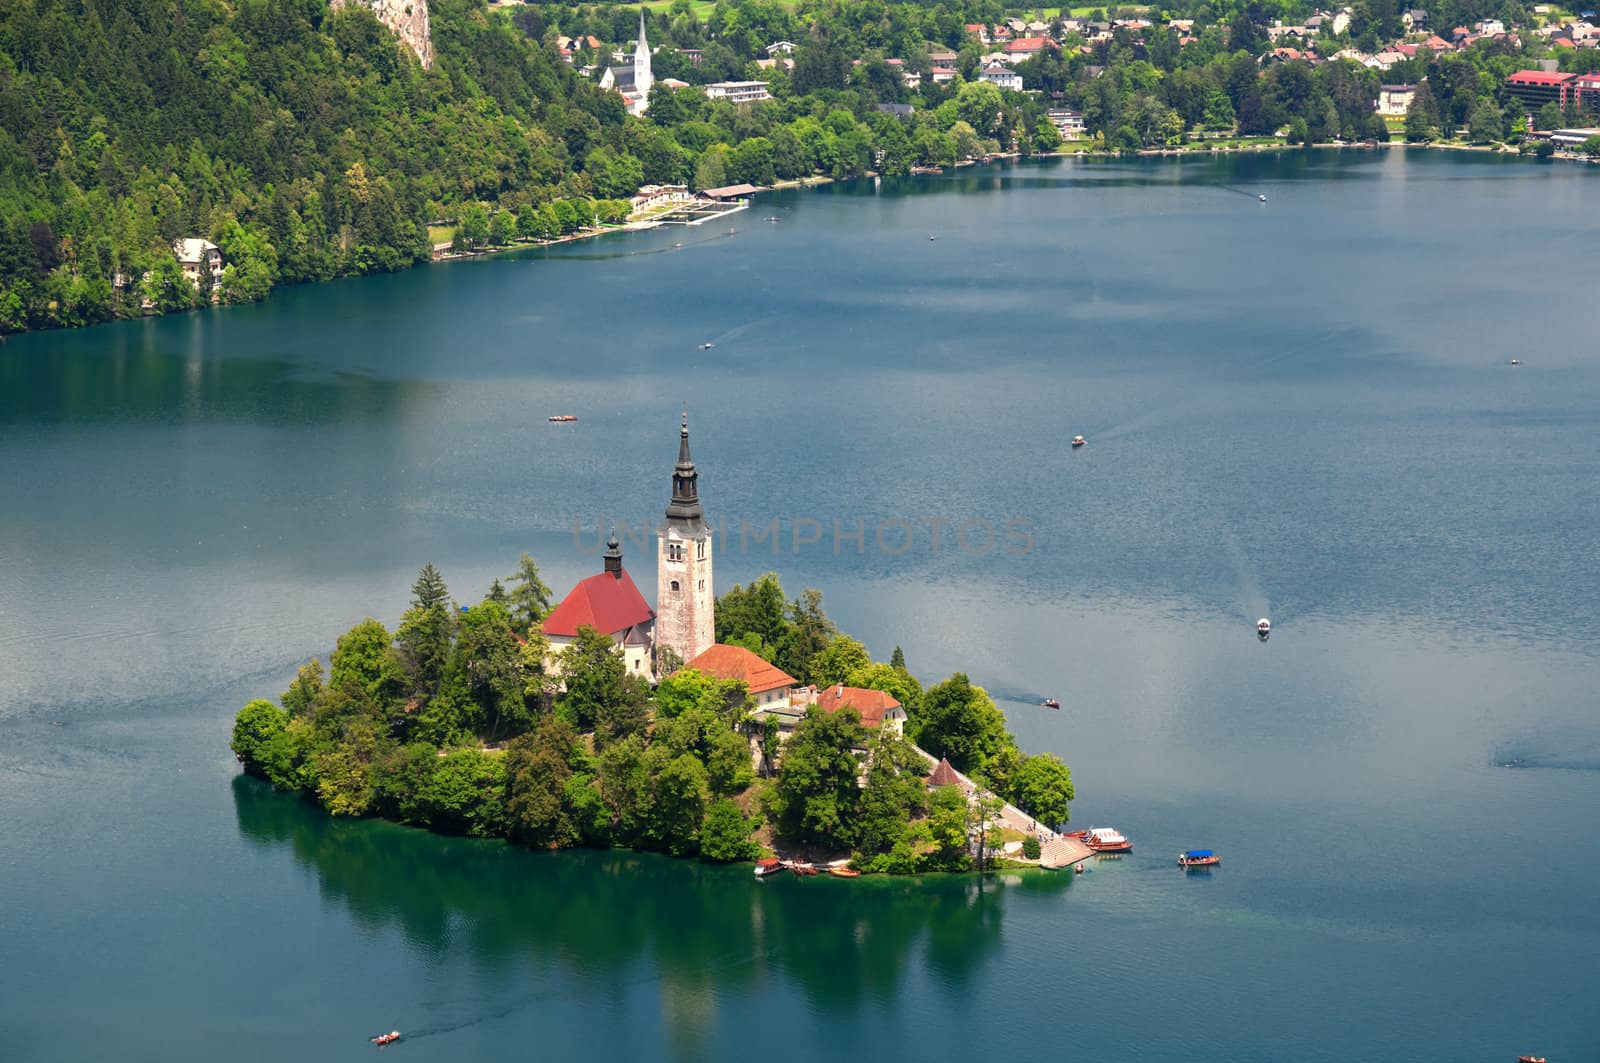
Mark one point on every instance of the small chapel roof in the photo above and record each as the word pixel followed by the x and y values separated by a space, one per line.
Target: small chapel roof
pixel 944 775
pixel 607 602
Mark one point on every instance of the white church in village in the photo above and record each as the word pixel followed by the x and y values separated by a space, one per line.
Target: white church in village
pixel 633 82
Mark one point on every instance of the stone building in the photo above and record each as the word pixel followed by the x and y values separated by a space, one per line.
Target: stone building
pixel 684 594
pixel 610 603
pixel 633 82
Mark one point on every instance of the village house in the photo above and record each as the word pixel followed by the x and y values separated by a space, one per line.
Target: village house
pixel 738 91
pixel 1003 77
pixel 1068 122
pixel 196 254
pixel 1027 48
pixel 777 48
pixel 879 709
pixel 942 74
pixel 1394 101
pixel 769 685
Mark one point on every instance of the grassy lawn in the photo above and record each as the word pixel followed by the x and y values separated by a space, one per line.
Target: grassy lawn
pixel 440 234
pixel 1075 147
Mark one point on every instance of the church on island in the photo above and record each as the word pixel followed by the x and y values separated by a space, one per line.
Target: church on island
pixel 681 630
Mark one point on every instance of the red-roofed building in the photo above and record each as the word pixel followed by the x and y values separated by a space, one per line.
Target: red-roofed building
pixel 1437 44
pixel 768 684
pixel 979 30
pixel 611 604
pixel 1028 47
pixel 946 775
pixel 877 708
pixel 1535 88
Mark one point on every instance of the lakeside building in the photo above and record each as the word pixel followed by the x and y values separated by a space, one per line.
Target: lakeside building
pixel 738 91
pixel 610 603
pixel 1068 122
pixel 633 82
pixel 196 254
pixel 1394 101
pixel 879 709
pixel 1535 88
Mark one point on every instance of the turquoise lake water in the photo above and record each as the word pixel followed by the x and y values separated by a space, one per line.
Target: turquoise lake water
pixel 1302 409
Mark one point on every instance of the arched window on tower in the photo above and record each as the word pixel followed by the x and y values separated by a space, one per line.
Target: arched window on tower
pixel 674 584
pixel 700 550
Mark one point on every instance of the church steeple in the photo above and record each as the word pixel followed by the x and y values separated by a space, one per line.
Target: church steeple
pixel 643 79
pixel 613 555
pixel 685 504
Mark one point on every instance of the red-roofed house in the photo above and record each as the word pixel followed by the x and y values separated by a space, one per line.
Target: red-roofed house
pixel 1028 47
pixel 1437 44
pixel 612 605
pixel 978 30
pixel 768 684
pixel 877 708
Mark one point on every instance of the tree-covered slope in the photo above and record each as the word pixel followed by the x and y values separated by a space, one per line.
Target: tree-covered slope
pixel 308 143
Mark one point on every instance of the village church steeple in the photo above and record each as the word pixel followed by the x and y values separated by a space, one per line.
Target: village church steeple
pixel 642 78
pixel 685 600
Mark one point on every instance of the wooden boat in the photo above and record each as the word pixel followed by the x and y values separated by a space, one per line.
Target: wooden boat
pixel 1107 840
pixel 769 866
pixel 844 872
pixel 386 1038
pixel 1078 441
pixel 803 869
pixel 1530 1059
pixel 562 418
pixel 1050 703
pixel 1199 858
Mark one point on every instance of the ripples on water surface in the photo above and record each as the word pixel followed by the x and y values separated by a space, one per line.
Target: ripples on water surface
pixel 1301 409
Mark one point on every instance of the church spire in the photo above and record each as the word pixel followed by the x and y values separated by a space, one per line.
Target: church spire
pixel 685 481
pixel 613 555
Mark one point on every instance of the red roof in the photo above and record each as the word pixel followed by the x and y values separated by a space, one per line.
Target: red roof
pixel 736 662
pixel 976 27
pixel 1028 44
pixel 1437 43
pixel 944 775
pixel 607 603
pixel 873 705
pixel 1537 77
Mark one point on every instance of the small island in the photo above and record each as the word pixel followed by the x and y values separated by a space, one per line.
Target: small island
pixel 765 730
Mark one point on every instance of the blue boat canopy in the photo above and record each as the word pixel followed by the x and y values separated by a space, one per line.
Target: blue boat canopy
pixel 1197 854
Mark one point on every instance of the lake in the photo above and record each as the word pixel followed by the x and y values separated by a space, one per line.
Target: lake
pixel 1301 409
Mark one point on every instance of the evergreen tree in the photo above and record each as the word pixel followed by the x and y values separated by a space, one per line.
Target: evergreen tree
pixel 529 597
pixel 427 630
pixel 897 659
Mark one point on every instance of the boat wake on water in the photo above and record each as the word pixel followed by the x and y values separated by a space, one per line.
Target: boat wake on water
pixel 1525 760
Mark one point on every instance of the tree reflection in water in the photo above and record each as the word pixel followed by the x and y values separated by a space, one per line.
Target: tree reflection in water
pixel 599 919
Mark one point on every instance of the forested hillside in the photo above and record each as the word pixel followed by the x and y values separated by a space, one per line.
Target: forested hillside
pixel 307 143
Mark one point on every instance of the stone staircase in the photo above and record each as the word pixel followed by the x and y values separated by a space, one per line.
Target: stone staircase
pixel 1061 852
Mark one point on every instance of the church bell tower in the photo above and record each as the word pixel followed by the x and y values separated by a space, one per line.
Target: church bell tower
pixel 684 597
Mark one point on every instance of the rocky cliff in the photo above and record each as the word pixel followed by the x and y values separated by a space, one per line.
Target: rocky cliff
pixel 407 19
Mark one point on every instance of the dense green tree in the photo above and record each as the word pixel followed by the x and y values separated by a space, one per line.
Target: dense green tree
pixel 959 721
pixel 262 744
pixel 488 660
pixel 529 595
pixel 538 771
pixel 817 798
pixel 364 660
pixel 425 637
pixel 725 835
pixel 836 662
pixel 1042 787
pixel 466 794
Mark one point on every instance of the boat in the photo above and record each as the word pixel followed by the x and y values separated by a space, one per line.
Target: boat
pixel 1078 441
pixel 386 1038
pixel 769 866
pixel 1263 628
pixel 1199 858
pixel 707 346
pixel 844 872
pixel 562 418
pixel 803 869
pixel 1050 703
pixel 1516 361
pixel 1263 199
pixel 1107 840
pixel 1530 1059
